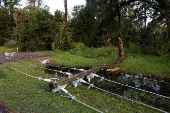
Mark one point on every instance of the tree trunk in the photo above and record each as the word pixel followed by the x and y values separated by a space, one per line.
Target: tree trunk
pixel 65 2
pixel 121 55
pixel 38 3
pixel 168 25
pixel 145 15
pixel 5 3
pixel 119 18
pixel 10 6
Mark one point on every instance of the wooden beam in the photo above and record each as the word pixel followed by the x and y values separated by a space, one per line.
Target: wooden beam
pixel 82 74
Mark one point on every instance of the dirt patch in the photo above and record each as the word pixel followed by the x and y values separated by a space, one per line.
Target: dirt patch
pixel 3 107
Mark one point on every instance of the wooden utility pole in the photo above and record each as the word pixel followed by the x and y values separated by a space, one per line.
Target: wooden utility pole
pixel 82 74
pixel 65 4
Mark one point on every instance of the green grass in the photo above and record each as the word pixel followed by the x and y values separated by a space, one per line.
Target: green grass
pixel 4 49
pixel 7 49
pixel 26 94
pixel 146 64
pixel 91 57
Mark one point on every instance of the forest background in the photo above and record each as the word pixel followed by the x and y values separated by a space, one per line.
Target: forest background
pixel 34 28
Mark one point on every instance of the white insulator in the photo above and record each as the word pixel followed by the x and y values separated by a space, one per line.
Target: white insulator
pixel 60 87
pixel 44 61
pixel 53 78
pixel 91 85
pixel 81 80
pixel 69 74
pixel 101 79
pixel 64 90
pixel 93 75
pixel 75 83
pixel 47 80
pixel 55 90
pixel 80 69
pixel 55 81
pixel 88 78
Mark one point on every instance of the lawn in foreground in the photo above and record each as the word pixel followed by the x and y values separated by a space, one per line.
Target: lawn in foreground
pixel 26 94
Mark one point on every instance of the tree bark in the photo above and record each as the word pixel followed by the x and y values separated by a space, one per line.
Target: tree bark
pixel 145 15
pixel 167 17
pixel 65 3
pixel 119 18
pixel 10 6
pixel 121 55
pixel 5 3
pixel 38 3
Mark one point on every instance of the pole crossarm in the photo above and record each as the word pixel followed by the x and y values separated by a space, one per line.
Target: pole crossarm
pixel 80 75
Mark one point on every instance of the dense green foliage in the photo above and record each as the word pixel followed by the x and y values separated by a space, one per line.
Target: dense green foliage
pixel 142 23
pixel 35 29
pixel 151 38
pixel 3 28
pixel 7 20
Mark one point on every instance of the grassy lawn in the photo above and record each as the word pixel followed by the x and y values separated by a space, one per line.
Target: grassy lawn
pixel 26 94
pixel 145 64
pixel 22 93
pixel 7 49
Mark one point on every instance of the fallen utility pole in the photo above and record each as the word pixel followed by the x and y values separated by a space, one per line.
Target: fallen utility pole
pixel 82 74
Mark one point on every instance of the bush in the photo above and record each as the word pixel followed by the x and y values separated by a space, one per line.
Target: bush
pixel 64 42
pixel 36 30
pixel 78 47
pixel 134 48
pixel 10 43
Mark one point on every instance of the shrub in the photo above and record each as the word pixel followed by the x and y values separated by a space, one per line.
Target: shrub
pixel 134 48
pixel 64 42
pixel 10 43
pixel 78 47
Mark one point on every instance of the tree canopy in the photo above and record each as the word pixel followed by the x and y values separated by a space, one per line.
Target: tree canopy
pixel 145 23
